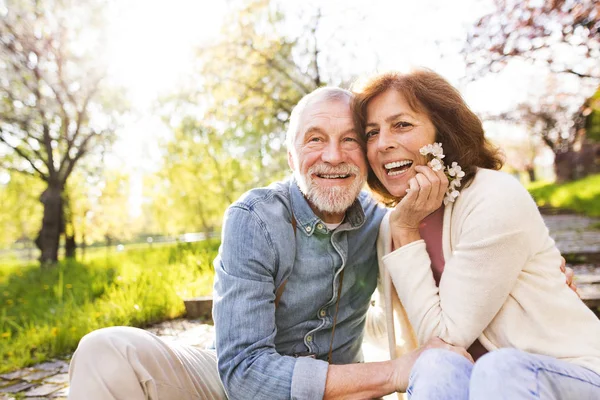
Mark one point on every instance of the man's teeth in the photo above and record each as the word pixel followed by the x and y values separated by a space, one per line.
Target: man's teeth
pixel 324 176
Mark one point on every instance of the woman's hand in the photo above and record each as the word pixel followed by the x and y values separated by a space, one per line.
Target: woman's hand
pixel 425 195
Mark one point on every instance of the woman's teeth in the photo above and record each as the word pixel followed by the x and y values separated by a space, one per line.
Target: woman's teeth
pixel 397 167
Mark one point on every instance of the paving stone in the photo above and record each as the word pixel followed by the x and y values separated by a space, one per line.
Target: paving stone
pixel 52 365
pixel 17 374
pixel 16 388
pixel 43 390
pixel 38 375
pixel 60 378
pixel 62 393
pixel 4 383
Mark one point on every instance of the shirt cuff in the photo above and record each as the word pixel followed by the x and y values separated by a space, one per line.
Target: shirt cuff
pixel 308 379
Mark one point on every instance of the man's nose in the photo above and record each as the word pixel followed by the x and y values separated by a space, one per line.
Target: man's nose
pixel 333 153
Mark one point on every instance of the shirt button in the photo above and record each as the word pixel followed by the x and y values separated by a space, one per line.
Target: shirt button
pixel 309 339
pixel 320 226
pixel 308 229
pixel 322 313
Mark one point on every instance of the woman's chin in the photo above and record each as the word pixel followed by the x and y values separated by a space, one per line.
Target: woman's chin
pixel 397 191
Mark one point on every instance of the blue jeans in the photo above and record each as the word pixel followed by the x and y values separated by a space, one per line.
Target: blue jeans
pixel 509 374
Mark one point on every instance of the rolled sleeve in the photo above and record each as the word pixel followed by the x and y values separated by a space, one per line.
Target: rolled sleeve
pixel 308 380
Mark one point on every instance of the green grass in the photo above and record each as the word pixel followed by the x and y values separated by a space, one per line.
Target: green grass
pixel 582 196
pixel 44 312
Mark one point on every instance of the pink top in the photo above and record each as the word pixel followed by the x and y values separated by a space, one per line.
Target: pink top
pixel 431 231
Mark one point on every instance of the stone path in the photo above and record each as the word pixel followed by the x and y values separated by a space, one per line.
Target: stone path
pixel 49 380
pixel 572 233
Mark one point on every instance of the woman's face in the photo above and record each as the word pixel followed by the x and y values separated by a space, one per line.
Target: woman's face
pixel 395 133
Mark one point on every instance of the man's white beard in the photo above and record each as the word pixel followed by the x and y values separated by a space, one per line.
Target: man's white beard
pixel 333 199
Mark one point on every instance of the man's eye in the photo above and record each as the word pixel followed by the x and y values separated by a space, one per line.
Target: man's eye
pixel 315 139
pixel 350 139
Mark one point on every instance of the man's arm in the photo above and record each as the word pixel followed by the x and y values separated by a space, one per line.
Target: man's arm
pixel 369 380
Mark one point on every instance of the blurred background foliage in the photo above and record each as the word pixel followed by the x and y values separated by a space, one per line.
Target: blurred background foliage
pixel 223 121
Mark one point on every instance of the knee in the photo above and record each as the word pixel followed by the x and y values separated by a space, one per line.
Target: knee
pixel 104 344
pixel 439 361
pixel 498 366
pixel 440 374
pixel 102 339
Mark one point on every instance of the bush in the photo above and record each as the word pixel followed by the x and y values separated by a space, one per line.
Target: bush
pixel 581 196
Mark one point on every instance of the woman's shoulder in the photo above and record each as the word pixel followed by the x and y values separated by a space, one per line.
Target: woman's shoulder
pixel 488 181
pixel 499 190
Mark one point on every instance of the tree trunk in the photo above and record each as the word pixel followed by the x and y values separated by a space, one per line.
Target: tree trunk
pixel 69 229
pixel 531 173
pixel 49 236
pixel 563 166
pixel 70 246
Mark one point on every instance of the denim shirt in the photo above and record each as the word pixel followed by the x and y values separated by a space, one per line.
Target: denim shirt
pixel 258 344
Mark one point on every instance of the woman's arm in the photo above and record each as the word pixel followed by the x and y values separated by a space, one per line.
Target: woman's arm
pixel 493 246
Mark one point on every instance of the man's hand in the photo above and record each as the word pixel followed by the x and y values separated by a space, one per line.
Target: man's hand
pixel 405 363
pixel 569 274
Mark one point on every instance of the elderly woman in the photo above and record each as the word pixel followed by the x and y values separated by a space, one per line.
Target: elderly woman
pixel 470 258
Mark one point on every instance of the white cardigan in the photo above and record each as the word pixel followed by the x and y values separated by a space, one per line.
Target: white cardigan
pixel 501 283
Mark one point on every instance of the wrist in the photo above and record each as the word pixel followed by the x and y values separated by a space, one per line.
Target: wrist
pixel 401 372
pixel 403 236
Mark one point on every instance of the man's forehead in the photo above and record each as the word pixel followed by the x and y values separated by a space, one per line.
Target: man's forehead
pixel 326 110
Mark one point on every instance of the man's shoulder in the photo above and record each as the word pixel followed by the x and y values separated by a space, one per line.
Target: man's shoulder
pixel 371 207
pixel 268 196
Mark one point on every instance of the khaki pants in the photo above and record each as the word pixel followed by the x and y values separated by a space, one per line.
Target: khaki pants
pixel 130 363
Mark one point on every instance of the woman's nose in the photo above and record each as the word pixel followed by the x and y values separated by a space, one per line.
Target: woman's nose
pixel 386 140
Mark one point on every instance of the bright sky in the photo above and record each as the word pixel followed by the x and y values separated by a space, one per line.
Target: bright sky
pixel 152 44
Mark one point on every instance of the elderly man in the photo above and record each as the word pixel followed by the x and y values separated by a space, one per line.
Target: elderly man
pixel 294 278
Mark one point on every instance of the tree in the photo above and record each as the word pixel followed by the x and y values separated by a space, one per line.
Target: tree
pixel 249 80
pixel 199 178
pixel 564 37
pixel 54 108
pixel 229 121
pixel 562 34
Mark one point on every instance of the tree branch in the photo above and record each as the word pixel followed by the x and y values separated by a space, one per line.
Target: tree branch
pixel 23 155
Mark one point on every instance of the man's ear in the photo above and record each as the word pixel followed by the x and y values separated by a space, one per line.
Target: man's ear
pixel 291 160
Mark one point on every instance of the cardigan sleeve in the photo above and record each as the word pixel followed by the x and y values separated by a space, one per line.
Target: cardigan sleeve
pixel 490 249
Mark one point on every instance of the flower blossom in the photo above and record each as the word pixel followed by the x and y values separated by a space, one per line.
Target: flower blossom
pixel 454 172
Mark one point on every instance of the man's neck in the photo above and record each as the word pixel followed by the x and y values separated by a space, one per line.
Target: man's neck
pixel 329 218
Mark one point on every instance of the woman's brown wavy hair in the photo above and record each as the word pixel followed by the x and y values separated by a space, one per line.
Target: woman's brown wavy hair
pixel 458 129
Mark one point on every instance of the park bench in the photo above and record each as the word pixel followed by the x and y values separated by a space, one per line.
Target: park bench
pixel 589 290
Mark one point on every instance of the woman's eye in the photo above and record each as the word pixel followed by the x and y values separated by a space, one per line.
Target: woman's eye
pixel 370 134
pixel 315 139
pixel 402 124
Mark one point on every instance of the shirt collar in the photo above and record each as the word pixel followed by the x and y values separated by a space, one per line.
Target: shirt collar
pixel 308 221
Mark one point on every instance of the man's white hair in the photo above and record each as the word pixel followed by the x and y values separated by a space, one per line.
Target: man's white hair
pixel 321 94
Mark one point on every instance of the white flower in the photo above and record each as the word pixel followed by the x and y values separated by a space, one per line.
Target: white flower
pixel 426 150
pixel 437 151
pixel 436 164
pixel 453 172
pixel 456 170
